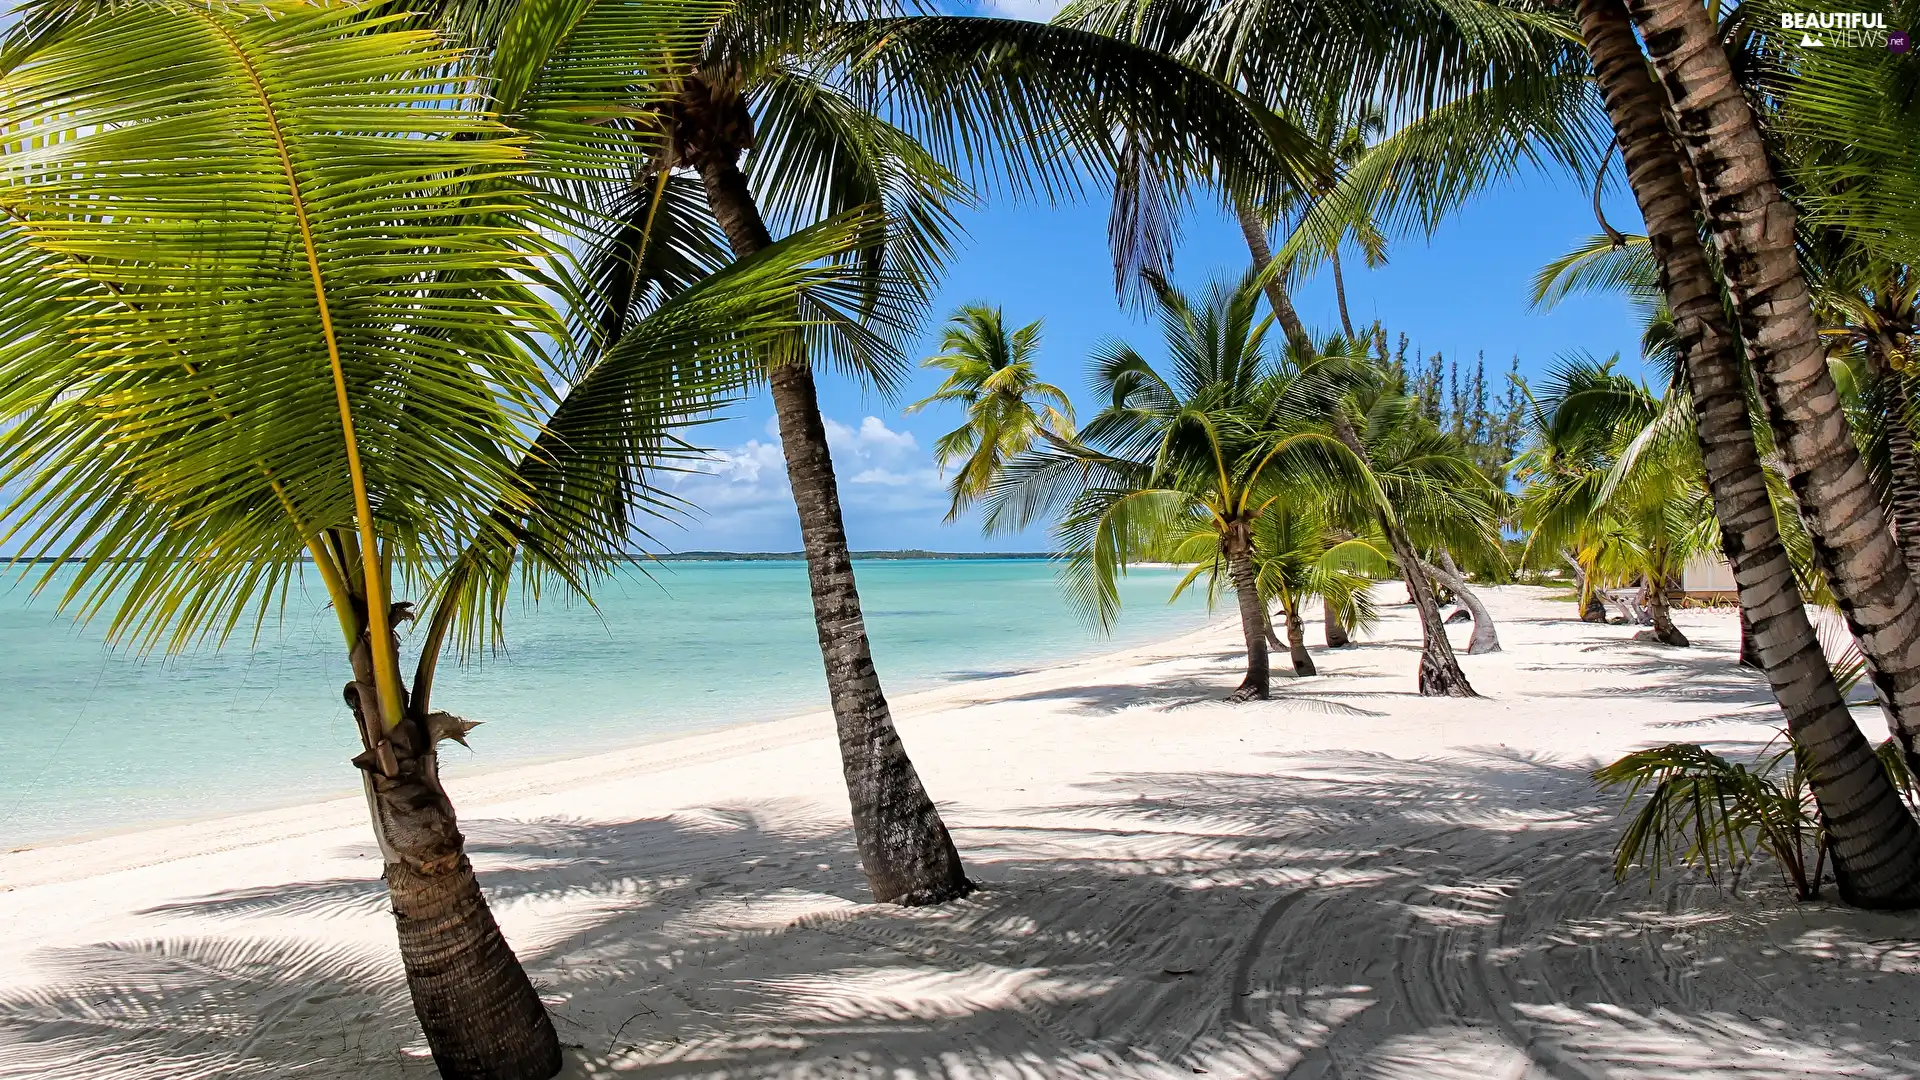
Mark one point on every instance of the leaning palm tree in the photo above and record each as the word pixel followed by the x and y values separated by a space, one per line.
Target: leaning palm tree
pixel 1752 227
pixel 990 374
pixel 350 363
pixel 1874 840
pixel 790 112
pixel 1181 464
pixel 1423 494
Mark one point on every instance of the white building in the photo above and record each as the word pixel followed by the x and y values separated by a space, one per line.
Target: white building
pixel 1708 577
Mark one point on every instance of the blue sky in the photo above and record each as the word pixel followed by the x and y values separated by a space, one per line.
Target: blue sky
pixel 1464 292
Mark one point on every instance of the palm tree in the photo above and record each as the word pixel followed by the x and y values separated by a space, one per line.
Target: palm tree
pixel 1875 842
pixel 1298 556
pixel 347 361
pixel 1615 476
pixel 1752 226
pixel 1430 496
pixel 790 112
pixel 1181 465
pixel 990 373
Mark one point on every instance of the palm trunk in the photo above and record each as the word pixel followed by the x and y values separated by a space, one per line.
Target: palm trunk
pixel 1485 638
pixel 1283 311
pixel 1440 672
pixel 1336 630
pixel 1593 607
pixel 481 1015
pixel 1297 644
pixel 1266 621
pixel 1903 474
pixel 1753 227
pixel 1874 840
pixel 1749 647
pixel 1660 606
pixel 1253 616
pixel 1340 295
pixel 905 849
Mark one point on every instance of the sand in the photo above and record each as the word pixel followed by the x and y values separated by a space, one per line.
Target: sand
pixel 1348 881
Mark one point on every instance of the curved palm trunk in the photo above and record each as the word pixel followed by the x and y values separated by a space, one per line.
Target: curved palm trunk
pixel 1340 294
pixel 1253 616
pixel 1593 606
pixel 1903 479
pixel 1660 607
pixel 1283 310
pixel 1753 227
pixel 1297 644
pixel 1440 672
pixel 1874 840
pixel 1485 638
pixel 481 1015
pixel 905 849
pixel 1336 630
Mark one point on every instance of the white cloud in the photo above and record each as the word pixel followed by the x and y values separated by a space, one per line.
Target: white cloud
pixel 743 501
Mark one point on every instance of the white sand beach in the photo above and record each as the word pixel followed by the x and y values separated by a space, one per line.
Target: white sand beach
pixel 1348 881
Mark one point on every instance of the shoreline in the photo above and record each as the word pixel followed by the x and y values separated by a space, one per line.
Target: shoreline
pixel 487 784
pixel 1169 885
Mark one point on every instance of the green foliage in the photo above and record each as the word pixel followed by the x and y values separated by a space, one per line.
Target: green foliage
pixel 1702 809
pixel 990 374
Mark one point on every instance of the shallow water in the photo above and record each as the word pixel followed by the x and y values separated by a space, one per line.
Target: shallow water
pixel 93 739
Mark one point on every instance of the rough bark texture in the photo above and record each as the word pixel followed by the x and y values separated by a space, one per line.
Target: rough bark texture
pixel 1660 606
pixel 904 845
pixel 1485 638
pixel 1874 840
pixel 1753 228
pixel 481 1016
pixel 1336 630
pixel 1903 474
pixel 1253 621
pixel 1297 645
pixel 1595 608
pixel 1749 648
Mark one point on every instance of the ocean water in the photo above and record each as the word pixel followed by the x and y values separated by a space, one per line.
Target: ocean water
pixel 93 739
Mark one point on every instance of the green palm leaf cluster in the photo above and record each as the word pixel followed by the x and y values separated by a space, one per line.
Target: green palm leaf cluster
pixel 1703 809
pixel 990 374
pixel 1220 457
pixel 1613 480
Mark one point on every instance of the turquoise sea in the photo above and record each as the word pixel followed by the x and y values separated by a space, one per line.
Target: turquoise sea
pixel 93 739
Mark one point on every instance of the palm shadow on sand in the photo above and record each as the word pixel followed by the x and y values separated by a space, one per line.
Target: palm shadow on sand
pixel 1352 914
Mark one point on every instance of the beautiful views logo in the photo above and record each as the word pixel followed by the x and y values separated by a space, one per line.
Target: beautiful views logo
pixel 1841 29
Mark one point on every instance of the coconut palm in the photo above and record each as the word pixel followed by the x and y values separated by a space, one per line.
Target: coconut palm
pixel 788 113
pixel 1432 497
pixel 990 374
pixel 1181 464
pixel 350 363
pixel 1752 227
pixel 1299 556
pixel 1874 841
pixel 1614 475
